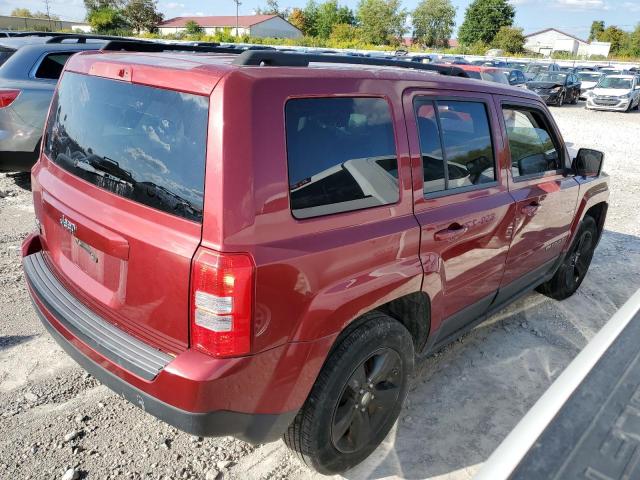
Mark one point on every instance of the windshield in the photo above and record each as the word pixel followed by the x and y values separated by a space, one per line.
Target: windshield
pixel 589 77
pixel 141 143
pixel 517 66
pixel 617 83
pixel 494 76
pixel 535 68
pixel 550 77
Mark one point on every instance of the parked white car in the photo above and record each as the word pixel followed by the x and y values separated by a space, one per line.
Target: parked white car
pixel 615 92
pixel 588 81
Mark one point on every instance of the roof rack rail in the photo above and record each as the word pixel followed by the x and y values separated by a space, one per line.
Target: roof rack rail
pixel 83 37
pixel 144 46
pixel 286 59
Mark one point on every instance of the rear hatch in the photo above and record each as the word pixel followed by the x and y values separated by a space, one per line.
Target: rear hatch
pixel 121 202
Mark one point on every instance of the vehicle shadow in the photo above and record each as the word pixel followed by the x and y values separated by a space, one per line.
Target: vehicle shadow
pixel 467 397
pixel 21 179
pixel 7 341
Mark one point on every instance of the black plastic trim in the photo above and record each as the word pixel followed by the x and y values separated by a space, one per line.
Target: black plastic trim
pixel 107 339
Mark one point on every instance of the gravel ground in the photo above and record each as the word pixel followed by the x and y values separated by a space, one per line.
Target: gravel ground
pixel 58 422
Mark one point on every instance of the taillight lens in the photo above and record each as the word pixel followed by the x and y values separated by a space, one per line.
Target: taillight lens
pixel 7 97
pixel 221 303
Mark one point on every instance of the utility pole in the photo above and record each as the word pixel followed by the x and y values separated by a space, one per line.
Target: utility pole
pixel 238 3
pixel 46 4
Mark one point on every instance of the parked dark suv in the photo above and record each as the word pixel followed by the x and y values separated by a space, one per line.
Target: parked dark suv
pixel 252 245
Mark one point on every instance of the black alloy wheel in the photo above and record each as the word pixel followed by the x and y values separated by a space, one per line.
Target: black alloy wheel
pixel 367 400
pixel 579 260
pixel 575 265
pixel 357 395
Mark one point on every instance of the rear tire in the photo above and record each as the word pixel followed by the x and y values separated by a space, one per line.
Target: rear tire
pixel 575 265
pixel 357 396
pixel 575 98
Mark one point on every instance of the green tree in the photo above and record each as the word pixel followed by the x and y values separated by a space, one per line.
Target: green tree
pixel 21 12
pixel 142 15
pixel 597 27
pixel 509 39
pixel 272 8
pixel 381 22
pixel 433 22
pixel 310 15
pixel 107 21
pixel 94 5
pixel 329 15
pixel 615 36
pixel 193 28
pixel 483 19
pixel 343 33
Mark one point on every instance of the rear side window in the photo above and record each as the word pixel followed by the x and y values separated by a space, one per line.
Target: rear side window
pixel 533 150
pixel 455 142
pixel 5 53
pixel 51 65
pixel 141 143
pixel 341 155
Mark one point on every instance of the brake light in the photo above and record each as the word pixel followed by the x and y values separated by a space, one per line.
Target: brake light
pixel 7 97
pixel 221 303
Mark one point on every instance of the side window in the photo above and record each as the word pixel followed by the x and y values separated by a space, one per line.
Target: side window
pixel 341 155
pixel 467 143
pixel 430 148
pixel 51 65
pixel 455 143
pixel 533 150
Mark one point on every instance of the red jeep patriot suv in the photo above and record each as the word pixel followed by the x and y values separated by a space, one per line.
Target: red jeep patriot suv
pixel 261 245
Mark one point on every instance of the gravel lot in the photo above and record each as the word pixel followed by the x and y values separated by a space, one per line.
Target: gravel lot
pixel 463 400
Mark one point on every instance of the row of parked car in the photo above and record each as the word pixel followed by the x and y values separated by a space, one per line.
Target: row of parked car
pixel 602 87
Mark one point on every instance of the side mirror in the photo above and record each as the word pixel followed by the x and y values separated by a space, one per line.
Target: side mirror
pixel 588 163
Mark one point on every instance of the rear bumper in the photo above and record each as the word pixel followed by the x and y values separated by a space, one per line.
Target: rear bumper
pixel 253 428
pixel 253 398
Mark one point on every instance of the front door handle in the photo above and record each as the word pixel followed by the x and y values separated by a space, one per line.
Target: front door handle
pixel 531 209
pixel 450 233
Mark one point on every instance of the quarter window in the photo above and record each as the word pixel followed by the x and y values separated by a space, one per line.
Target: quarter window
pixel 455 142
pixel 341 155
pixel 533 150
pixel 52 65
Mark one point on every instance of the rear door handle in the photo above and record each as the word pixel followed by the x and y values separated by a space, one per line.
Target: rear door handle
pixel 452 232
pixel 531 209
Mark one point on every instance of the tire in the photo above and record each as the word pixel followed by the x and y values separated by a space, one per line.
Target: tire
pixel 575 265
pixel 560 100
pixel 575 98
pixel 348 414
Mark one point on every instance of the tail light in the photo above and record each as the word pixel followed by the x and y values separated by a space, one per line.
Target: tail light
pixel 221 303
pixel 7 97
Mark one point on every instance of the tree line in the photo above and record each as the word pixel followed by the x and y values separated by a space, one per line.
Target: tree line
pixel 623 44
pixel 487 23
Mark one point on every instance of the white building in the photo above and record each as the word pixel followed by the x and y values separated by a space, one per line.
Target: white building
pixel 552 40
pixel 261 26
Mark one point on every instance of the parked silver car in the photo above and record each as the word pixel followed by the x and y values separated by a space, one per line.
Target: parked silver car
pixel 29 70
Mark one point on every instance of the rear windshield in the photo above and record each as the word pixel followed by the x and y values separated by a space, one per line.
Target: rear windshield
pixel 142 143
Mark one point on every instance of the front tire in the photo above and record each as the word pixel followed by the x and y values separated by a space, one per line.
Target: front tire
pixel 560 99
pixel 575 265
pixel 357 396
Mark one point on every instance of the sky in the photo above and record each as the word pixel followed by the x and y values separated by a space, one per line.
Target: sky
pixel 571 16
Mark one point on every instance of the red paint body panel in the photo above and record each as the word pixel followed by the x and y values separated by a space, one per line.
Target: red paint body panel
pixel 312 277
